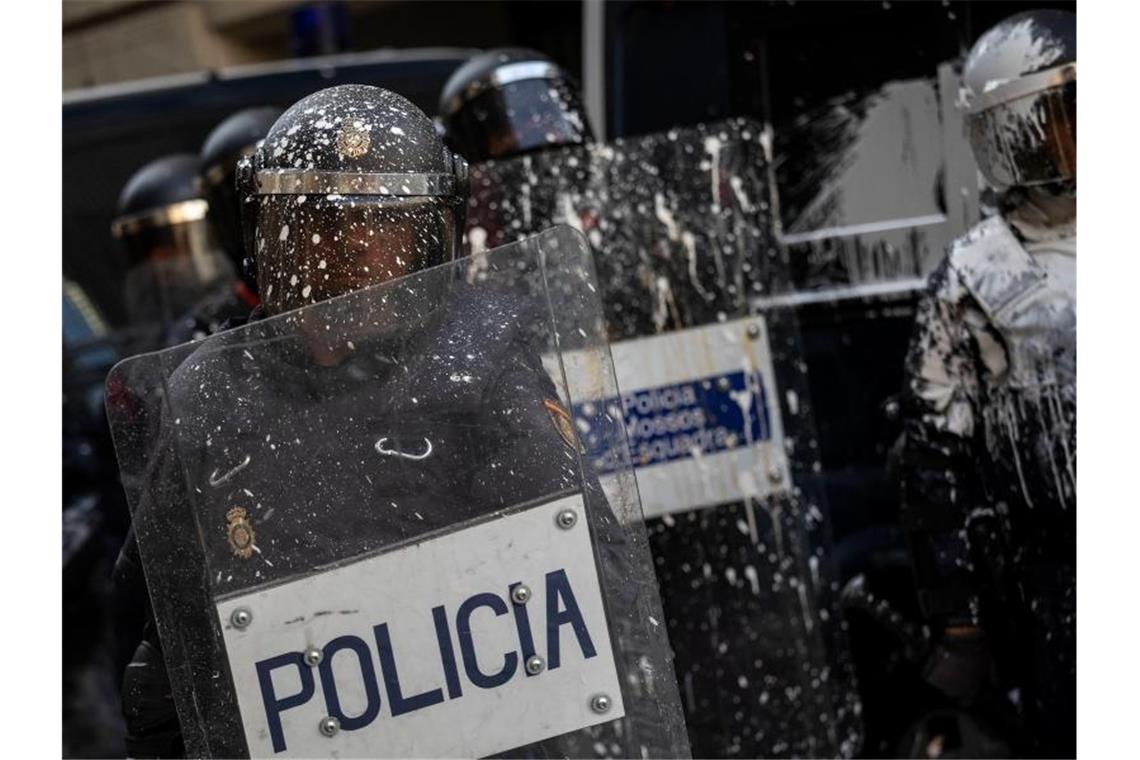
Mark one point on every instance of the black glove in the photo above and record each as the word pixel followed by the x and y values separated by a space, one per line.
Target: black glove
pixel 960 666
pixel 148 707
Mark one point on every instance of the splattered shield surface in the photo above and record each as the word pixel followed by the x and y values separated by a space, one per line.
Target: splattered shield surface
pixel 713 395
pixel 347 512
pixel 871 189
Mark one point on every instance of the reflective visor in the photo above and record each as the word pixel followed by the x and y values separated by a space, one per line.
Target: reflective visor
pixel 170 268
pixel 518 117
pixel 310 248
pixel 1030 140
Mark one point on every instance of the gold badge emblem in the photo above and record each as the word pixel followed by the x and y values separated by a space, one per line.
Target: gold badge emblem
pixel 352 141
pixel 239 531
pixel 563 423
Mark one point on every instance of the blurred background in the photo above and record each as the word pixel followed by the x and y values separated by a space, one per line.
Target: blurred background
pixel 872 178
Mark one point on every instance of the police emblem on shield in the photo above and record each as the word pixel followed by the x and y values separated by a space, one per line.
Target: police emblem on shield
pixel 239 532
pixel 353 141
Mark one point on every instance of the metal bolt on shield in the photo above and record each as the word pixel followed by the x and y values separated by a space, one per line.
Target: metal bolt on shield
pixel 600 703
pixel 520 594
pixel 535 665
pixel 753 331
pixel 313 656
pixel 241 617
pixel 567 519
pixel 775 475
pixel 329 726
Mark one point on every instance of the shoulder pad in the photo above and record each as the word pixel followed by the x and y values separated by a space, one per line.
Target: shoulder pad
pixel 995 267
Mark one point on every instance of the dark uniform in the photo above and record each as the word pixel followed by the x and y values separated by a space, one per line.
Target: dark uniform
pixel 229 306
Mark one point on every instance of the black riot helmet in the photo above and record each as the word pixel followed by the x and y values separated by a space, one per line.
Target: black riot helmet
pixel 1019 90
pixel 172 257
pixel 351 187
pixel 511 101
pixel 226 144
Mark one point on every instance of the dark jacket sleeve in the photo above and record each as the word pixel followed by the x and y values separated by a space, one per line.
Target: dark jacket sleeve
pixel 941 485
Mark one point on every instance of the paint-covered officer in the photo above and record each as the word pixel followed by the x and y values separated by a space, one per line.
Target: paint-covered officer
pixel 989 464
pixel 429 406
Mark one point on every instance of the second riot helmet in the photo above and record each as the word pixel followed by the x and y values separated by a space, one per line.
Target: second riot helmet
pixel 1019 89
pixel 511 101
pixel 351 187
pixel 226 144
pixel 172 257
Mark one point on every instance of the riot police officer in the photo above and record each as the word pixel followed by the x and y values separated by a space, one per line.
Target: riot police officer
pixel 350 188
pixel 989 478
pixel 173 259
pixel 511 101
pixel 364 142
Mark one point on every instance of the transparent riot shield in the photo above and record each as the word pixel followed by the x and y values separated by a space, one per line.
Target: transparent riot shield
pixel 369 527
pixel 714 398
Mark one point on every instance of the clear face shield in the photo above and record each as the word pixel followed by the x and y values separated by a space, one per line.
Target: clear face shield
pixel 1024 131
pixel 173 259
pixel 311 248
pixel 319 234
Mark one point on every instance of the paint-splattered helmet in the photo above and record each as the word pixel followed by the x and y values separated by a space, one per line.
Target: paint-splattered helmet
pixel 351 187
pixel 511 101
pixel 1019 90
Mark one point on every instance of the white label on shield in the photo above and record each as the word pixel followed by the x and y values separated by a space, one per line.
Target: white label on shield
pixel 423 651
pixel 701 415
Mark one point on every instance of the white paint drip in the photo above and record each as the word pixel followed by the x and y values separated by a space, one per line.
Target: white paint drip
pixel 690 243
pixel 665 216
pixel 712 147
pixel 737 185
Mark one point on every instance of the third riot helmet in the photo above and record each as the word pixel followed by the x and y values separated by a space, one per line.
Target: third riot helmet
pixel 510 101
pixel 226 144
pixel 351 187
pixel 172 257
pixel 1019 89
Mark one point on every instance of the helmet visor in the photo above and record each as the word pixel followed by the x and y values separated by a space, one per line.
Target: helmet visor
pixel 518 117
pixel 1030 140
pixel 310 248
pixel 171 267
